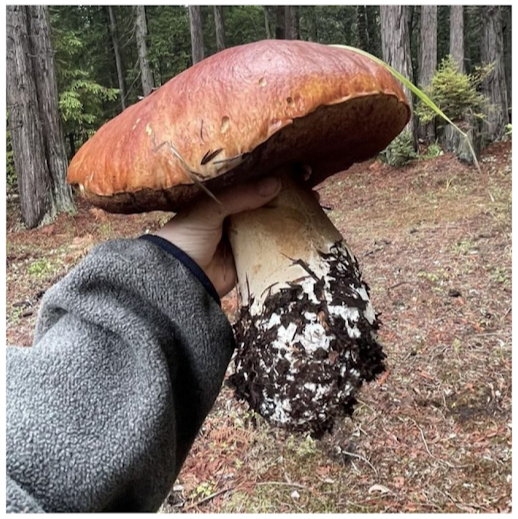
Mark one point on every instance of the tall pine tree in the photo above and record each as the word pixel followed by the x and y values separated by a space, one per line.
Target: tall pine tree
pixel 34 123
pixel 198 51
pixel 494 85
pixel 427 59
pixel 146 75
pixel 395 38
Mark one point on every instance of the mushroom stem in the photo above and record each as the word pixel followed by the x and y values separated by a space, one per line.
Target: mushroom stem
pixel 307 330
pixel 277 244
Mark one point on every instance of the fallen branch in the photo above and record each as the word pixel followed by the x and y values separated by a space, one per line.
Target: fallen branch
pixel 361 458
pixel 399 284
pixel 424 439
pixel 209 498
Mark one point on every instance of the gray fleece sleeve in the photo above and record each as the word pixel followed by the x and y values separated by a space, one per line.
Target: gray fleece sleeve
pixel 129 355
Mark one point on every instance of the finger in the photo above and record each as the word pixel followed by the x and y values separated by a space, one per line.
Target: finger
pixel 242 198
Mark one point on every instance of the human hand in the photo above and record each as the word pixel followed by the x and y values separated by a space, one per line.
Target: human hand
pixel 198 231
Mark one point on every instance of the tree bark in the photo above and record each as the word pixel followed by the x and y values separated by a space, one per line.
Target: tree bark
pixel 267 29
pixel 373 29
pixel 290 19
pixel 141 35
pixel 457 35
pixel 24 122
pixel 427 59
pixel 280 28
pixel 314 23
pixel 494 86
pixel 395 40
pixel 118 60
pixel 219 21
pixel 451 140
pixel 34 123
pixel 361 25
pixel 297 23
pixel 508 51
pixel 60 195
pixel 198 52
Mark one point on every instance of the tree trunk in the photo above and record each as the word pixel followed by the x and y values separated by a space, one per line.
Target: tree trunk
pixel 373 29
pixel 118 60
pixel 141 35
pixel 198 52
pixel 494 86
pixel 427 60
pixel 280 28
pixel 297 23
pixel 267 29
pixel 219 21
pixel 60 195
pixel 37 141
pixel 508 51
pixel 395 39
pixel 24 122
pixel 361 25
pixel 290 19
pixel 457 35
pixel 314 23
pixel 452 140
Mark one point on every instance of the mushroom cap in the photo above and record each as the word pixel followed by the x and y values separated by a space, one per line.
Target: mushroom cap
pixel 243 112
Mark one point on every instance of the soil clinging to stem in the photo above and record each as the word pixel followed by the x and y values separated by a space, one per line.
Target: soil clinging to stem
pixel 302 359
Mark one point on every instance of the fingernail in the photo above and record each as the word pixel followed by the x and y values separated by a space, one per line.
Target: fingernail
pixel 268 186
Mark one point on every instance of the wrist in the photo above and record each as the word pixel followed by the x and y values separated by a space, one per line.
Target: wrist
pixel 185 260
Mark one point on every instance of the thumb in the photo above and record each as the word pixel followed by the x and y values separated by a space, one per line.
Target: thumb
pixel 244 198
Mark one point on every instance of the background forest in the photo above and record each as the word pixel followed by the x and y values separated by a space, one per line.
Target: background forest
pixel 94 61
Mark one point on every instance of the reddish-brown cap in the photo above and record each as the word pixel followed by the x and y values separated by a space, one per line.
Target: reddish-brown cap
pixel 241 113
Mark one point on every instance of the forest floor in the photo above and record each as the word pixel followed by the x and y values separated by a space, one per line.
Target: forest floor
pixel 433 433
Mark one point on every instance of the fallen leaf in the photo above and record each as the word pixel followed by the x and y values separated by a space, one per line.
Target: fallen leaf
pixel 379 488
pixel 323 470
pixel 425 375
pixel 329 481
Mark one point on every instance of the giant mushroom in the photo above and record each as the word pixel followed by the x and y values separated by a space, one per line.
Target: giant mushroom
pixel 307 331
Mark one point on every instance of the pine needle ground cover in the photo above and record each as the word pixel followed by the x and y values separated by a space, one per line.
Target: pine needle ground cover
pixel 433 434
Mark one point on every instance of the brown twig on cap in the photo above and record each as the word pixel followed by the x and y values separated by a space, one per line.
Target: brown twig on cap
pixel 192 174
pixel 209 156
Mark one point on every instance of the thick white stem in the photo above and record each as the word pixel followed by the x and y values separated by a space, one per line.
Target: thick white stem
pixel 267 241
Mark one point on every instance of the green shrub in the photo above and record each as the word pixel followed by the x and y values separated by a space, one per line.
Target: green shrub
pixel 40 268
pixel 433 151
pixel 400 151
pixel 455 93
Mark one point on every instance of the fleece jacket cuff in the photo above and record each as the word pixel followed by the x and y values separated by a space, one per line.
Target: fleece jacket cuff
pixel 186 260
